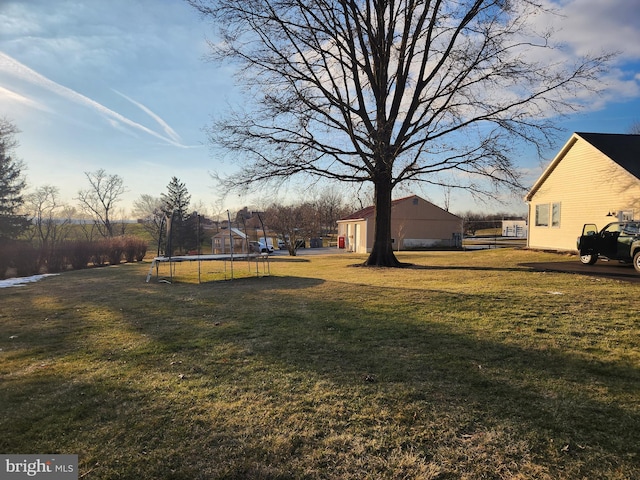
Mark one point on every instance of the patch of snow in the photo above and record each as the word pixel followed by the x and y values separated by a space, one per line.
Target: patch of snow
pixel 22 281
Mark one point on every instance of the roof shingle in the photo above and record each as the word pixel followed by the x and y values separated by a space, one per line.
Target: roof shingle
pixel 624 149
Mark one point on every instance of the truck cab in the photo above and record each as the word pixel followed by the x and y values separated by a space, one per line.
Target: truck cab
pixel 616 241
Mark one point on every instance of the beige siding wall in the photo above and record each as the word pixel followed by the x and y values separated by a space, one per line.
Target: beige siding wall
pixel 426 233
pixel 587 185
pixel 341 229
pixel 355 233
pixel 422 224
pixel 366 244
pixel 418 223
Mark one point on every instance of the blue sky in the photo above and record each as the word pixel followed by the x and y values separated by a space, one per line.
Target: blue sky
pixel 123 85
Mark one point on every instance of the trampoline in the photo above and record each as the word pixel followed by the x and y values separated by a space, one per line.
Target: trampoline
pixel 260 260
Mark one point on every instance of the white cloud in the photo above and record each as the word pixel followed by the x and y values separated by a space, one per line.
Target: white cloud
pixel 11 66
pixel 594 26
pixel 591 26
pixel 11 96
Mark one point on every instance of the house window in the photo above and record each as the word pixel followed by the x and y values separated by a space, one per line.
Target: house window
pixel 542 215
pixel 555 215
pixel 626 216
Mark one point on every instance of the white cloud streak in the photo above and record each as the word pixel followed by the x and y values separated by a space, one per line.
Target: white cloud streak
pixel 21 71
pixel 167 129
pixel 12 96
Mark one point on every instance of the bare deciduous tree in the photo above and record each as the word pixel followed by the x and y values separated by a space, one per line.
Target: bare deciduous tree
pixel 51 220
pixel 100 200
pixel 148 210
pixel 50 226
pixel 331 208
pixel 390 91
pixel 288 221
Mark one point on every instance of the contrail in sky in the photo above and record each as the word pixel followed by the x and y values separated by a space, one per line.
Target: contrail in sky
pixel 168 130
pixel 10 65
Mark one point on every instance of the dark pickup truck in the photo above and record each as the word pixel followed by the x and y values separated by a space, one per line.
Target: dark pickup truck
pixel 616 241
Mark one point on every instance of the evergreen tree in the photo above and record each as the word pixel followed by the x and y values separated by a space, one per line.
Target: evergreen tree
pixel 175 205
pixel 12 184
pixel 176 199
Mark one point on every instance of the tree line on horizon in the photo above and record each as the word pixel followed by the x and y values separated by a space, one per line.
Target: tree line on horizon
pixel 40 216
pixel 39 233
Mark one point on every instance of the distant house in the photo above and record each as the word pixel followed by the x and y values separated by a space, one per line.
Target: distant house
pixel 514 228
pixel 415 224
pixel 595 178
pixel 222 242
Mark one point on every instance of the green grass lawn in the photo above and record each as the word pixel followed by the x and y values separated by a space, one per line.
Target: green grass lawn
pixel 467 366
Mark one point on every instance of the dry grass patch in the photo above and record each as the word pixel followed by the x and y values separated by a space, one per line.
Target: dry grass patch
pixel 470 366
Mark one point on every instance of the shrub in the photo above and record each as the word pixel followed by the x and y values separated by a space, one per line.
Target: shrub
pixel 114 249
pixel 23 257
pixel 100 253
pixel 142 250
pixel 135 249
pixel 79 253
pixel 53 258
pixel 4 258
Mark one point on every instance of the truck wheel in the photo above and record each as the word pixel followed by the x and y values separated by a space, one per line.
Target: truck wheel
pixel 636 261
pixel 588 259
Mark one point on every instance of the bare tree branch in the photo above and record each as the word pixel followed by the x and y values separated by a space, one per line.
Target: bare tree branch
pixel 100 199
pixel 391 91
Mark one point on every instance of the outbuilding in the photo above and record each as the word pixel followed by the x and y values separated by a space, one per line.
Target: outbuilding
pixel 229 241
pixel 595 178
pixel 514 228
pixel 415 224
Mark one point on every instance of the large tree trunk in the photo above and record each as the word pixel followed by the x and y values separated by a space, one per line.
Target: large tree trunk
pixel 382 252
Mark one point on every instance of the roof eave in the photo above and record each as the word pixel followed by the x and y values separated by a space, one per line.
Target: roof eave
pixel 565 149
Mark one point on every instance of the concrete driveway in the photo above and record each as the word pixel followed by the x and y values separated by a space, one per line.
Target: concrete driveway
pixel 613 269
pixel 313 251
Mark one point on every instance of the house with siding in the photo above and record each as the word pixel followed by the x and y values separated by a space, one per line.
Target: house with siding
pixel 595 178
pixel 415 224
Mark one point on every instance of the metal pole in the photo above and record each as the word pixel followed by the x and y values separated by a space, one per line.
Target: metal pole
pixel 170 244
pixel 230 241
pixel 264 232
pixel 198 241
